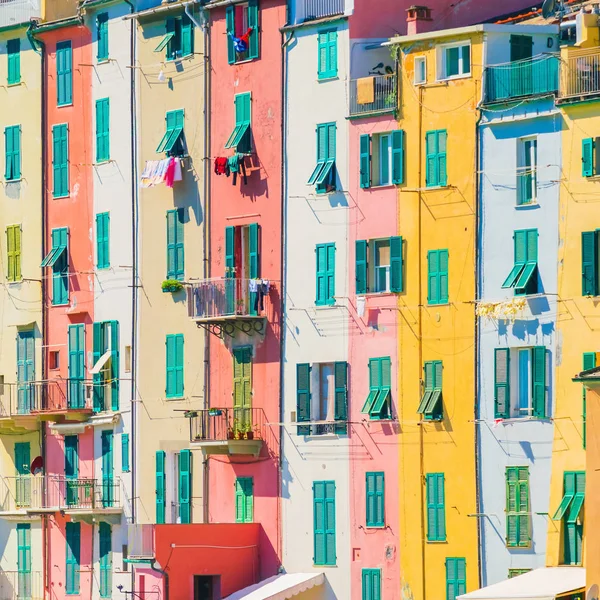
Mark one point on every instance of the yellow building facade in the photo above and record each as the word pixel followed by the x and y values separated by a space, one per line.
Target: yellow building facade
pixel 437 219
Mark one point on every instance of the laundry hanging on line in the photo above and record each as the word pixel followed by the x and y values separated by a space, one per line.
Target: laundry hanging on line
pixel 167 171
pixel 240 44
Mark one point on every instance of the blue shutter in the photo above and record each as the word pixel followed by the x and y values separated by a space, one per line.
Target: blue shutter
pixel 125 452
pixel 398 157
pixel 253 42
pixel 185 486
pixel 365 161
pixel 160 486
pixel 431 167
pixel 102 34
pixel 73 555
pixel 64 73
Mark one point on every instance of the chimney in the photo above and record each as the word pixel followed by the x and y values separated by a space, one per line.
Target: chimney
pixel 418 19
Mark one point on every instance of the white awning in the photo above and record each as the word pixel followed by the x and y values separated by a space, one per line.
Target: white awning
pixel 68 428
pixel 279 587
pixel 100 363
pixel 541 584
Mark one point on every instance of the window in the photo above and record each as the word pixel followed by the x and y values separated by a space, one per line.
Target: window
pixel 64 74
pixel 172 141
pixel 108 482
pixel 420 70
pixel 325 254
pixel 436 509
pixel 125 453
pixel 73 535
pixel 241 136
pixel 161 487
pixel 371 584
pixel 589 362
pixel 521 47
pixel 174 350
pixel 127 359
pixel 382 159
pixel 324 175
pixel 454 60
pixel 25 370
pixel 378 403
pixel 524 274
pixel 24 560
pixel 527 378
pixel 102 240
pixel 102 34
pixel 12 147
pixel 436 165
pixel 54 360
pixel 516 572
pixel 431 406
pixel 242 31
pixel 456 577
pixel 13 252
pixel 590 165
pixel 60 161
pixel 589 263
pixel 105 552
pixel 385 256
pixel 13 51
pixel 328 54
pixel 105 372
pixel 526 171
pixel 570 513
pixel 242 390
pixel 375 499
pixel 102 130
pixel 322 395
pixel 244 500
pixel 324 523
pixel 178 40
pixel 518 517
pixel 175 247
pixel 58 260
pixel 76 393
pixel 184 466
pixel 437 277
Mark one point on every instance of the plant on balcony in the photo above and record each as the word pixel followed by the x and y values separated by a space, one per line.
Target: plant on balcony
pixel 171 286
pixel 240 308
pixel 247 433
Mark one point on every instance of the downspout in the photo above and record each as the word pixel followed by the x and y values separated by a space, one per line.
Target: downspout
pixel 164 574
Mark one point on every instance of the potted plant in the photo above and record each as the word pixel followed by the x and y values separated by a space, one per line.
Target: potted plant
pixel 171 286
pixel 214 412
pixel 237 431
pixel 247 431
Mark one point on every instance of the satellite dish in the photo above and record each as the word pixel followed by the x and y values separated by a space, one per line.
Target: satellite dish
pixel 548 8
pixel 37 466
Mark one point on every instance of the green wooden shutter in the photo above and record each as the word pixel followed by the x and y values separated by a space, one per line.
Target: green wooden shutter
pixel 230 26
pixel 303 396
pixel 379 513
pixel 170 366
pixel 319 538
pixel 12 143
pixel 443 276
pixel 64 73
pixel 398 157
pixel 331 141
pixel 125 453
pixel 114 365
pixel 160 486
pixel 371 584
pixel 253 250
pixel 333 53
pixel 98 348
pixel 589 263
pixel 73 554
pixel 60 160
pixel 431 166
pixel 322 54
pixel 230 251
pixel 71 457
pixel 365 161
pixel 175 365
pixel 105 551
pixel 76 393
pixel 13 252
pixel 455 577
pixel 179 246
pixel 102 34
pixel 587 157
pixel 539 380
pixel 13 50
pixel 321 274
pixel 330 273
pixel 171 244
pixel 523 507
pixel 24 560
pixel 102 130
pixel 396 263
pixel 179 365
pixel 187 36
pixel 501 383
pixel 512 524
pixel 253 42
pixel 433 283
pixel 185 486
pixel 441 158
pixel 103 240
pixel 244 500
pixel 108 492
pixel 340 370
pixel 589 362
pixel 361 268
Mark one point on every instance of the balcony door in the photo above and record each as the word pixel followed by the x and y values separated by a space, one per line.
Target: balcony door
pixel 521 51
pixel 76 397
pixel 72 469
pixel 242 392
pixel 23 481
pixel 107 469
pixel 25 371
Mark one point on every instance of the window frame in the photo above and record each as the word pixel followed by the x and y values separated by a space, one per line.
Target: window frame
pixel 324 175
pixel 527 176
pixel 14 271
pixel 442 60
pixel 175 246
pixel 374 499
pixel 331 70
pixel 173 141
pixel 378 404
pixel 436 527
pixel 421 60
pixel 526 270
pixel 102 115
pixel 102 32
pixel 13 157
pixel 252 12
pixel 516 483
pixel 327 275
pixel 175 391
pixel 13 54
pixel 103 240
pixel 67 73
pixel 432 402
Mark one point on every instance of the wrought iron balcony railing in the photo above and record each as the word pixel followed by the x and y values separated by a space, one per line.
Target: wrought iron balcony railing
pixel 21 585
pixel 373 95
pixel 21 493
pixel 220 424
pixel 70 493
pixel 580 74
pixel 14 12
pixel 309 10
pixel 52 396
pixel 536 76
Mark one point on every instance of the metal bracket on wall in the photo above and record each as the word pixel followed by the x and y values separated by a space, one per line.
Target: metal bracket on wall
pixel 247 325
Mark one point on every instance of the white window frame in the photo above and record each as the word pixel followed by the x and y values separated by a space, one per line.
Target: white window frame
pixel 420 64
pixel 522 167
pixel 516 412
pixel 373 244
pixel 441 61
pixel 315 403
pixel 376 162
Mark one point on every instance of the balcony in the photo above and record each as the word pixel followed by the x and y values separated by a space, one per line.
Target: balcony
pixel 223 306
pixel 56 400
pixel 21 497
pixel 310 10
pixel 21 586
pixel 141 543
pixel 374 95
pixel 537 76
pixel 15 417
pixel 15 12
pixel 580 75
pixel 231 431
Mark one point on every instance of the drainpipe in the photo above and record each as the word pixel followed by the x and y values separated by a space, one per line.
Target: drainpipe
pixel 164 574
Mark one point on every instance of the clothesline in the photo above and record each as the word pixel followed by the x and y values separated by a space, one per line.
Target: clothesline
pixel 165 171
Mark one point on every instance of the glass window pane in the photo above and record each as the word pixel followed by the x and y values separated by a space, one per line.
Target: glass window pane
pixel 524 381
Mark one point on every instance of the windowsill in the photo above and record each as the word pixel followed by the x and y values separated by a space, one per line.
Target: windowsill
pixel 520 419
pixel 243 62
pixel 437 541
pixel 381 187
pixel 326 79
pixel 103 268
pixel 61 304
pixel 14 281
pixel 436 420
pixel 59 197
pixel 453 77
pixel 316 436
pixel 376 526
pixel 436 187
pixel 379 294
pixel 15 84
pixel 315 565
pixel 378 420
pixel 528 205
pixel 104 161
pixel 64 105
pixel 7 181
pixel 438 304
pixel 103 61
pixel 175 397
pixel 325 305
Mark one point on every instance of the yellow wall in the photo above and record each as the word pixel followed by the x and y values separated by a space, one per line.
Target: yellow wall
pixel 431 219
pixel 592 509
pixel 60 9
pixel 162 424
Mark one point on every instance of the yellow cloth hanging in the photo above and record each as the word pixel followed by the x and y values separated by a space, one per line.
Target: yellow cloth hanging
pixel 365 88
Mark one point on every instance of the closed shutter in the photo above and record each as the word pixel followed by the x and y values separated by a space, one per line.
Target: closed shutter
pixel 441 158
pixel 431 166
pixel 73 554
pixel 253 42
pixel 24 560
pixel 64 73
pixel 103 240
pixel 587 157
pixel 321 274
pixel 443 276
pixel 455 577
pixel 13 252
pixel 13 49
pixel 365 161
pixel 589 263
pixel 102 130
pixel 114 365
pixel 102 33
pixel 230 26
pixel 60 161
pixel 396 279
pixel 8 153
pixel 98 347
pixel 175 245
pixel 436 517
pixel 341 396
pixel 76 393
pixel 380 499
pixel 170 365
pixel 589 362
pixel 303 396
pixel 521 47
pixel 433 261
pixel 108 495
pixel 187 36
pixel 539 381
pixel 125 452
pixel 370 499
pixel 523 507
pixel 253 230
pixel 12 143
pixel 160 486
pixel 185 486
pixel 105 551
pixel 330 525
pixel 361 268
pixel 398 157
pixel 230 251
pixel 319 537
pixel 501 383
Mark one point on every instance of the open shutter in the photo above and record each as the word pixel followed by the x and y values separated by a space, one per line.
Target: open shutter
pixel 187 36
pixel 365 161
pixel 17 254
pixel 539 380
pixel 185 485
pixel 303 396
pixel 98 345
pixel 160 486
pixel 114 365
pixel 589 263
pixel 230 251
pixel 398 157
pixel 433 265
pixel 125 453
pixel 587 157
pixel 501 383
pixel 253 42
pixel 230 25
pixel 441 158
pixel 361 268
pixel 396 280
pixel 319 540
pixel 341 396
pixel 431 167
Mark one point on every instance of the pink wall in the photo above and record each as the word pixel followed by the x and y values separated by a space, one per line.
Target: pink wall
pixel 373 443
pixel 258 201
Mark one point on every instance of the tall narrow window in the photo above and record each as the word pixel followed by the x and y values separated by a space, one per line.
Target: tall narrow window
pixel 244 500
pixel 102 35
pixel 106 566
pixel 524 274
pixel 431 406
pixel 420 70
pixel 375 499
pixel 518 517
pixel 76 390
pixel 102 130
pixel 242 389
pixel 323 176
pixel 371 584
pixel 175 246
pixel 73 556
pixel 13 252
pixel 241 137
pixel 328 66
pixel 174 349
pixel 325 254
pixel 324 533
pixel 102 240
pixel 58 260
pixel 184 466
pixel 25 371
pixel 125 450
pixel 172 141
pixel 161 487
pixel 243 37
pixel 24 560
pixel 437 277
pixel 12 147
pixel 436 507
pixel 377 404
pixel 60 161
pixel 64 73
pixel 570 513
pixel 108 480
pixel 526 171
pixel 13 51
pixel 589 362
pixel 589 263
pixel 435 149
pixel 456 577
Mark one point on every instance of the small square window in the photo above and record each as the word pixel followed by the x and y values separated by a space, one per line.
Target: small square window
pixel 54 359
pixel 526 171
pixel 127 359
pixel 454 60
pixel 381 282
pixel 420 70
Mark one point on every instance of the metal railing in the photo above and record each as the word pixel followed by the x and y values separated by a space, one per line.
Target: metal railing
pixel 580 74
pixel 141 541
pixel 83 493
pixel 54 395
pixel 532 77
pixel 219 424
pixel 225 297
pixel 15 585
pixel 13 12
pixel 309 10
pixel 21 492
pixel 371 95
